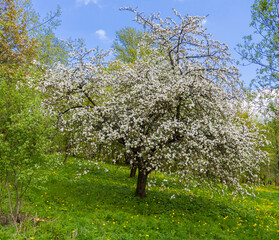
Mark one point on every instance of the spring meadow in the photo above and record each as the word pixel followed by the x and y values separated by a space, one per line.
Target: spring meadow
pixel 156 137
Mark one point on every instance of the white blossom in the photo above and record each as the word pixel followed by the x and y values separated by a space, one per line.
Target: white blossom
pixel 171 109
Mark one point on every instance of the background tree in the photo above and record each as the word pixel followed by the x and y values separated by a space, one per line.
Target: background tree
pixel 271 172
pixel 261 48
pixel 171 108
pixel 262 108
pixel 24 128
pixel 24 142
pixel 24 37
pixel 17 47
pixel 126 43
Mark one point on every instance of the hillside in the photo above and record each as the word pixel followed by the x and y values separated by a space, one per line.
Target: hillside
pixel 99 204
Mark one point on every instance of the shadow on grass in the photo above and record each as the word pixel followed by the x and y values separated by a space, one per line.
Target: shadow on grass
pixel 115 190
pixel 102 203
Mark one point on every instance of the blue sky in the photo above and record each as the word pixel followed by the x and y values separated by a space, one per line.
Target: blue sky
pixel 96 21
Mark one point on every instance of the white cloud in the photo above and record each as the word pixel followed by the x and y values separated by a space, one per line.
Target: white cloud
pixel 86 2
pixel 101 34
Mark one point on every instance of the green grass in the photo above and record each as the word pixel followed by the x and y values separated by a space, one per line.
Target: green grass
pixel 100 205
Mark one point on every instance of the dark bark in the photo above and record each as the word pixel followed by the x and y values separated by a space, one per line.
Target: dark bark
pixel 128 161
pixel 141 184
pixel 127 158
pixel 66 158
pixel 133 171
pixel 67 149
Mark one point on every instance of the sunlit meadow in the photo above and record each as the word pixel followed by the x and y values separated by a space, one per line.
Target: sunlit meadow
pixel 99 204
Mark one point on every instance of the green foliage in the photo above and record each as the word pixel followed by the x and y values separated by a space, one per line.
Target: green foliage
pixel 24 142
pixel 271 130
pixel 25 37
pixel 99 205
pixel 261 48
pixel 126 44
pixel 25 130
pixel 50 49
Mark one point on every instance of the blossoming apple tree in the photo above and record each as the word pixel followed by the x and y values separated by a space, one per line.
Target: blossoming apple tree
pixel 172 109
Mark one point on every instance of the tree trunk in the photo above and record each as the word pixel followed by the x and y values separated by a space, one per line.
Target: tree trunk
pixel 128 161
pixel 142 178
pixel 133 171
pixel 66 157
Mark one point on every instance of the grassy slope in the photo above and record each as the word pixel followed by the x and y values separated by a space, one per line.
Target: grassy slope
pixel 100 205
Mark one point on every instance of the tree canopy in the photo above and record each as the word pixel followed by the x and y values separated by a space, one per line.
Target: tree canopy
pixel 126 44
pixel 24 128
pixel 172 109
pixel 261 48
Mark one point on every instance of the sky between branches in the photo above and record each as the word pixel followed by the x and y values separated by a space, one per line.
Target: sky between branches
pixel 96 21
